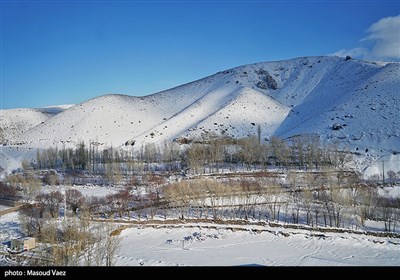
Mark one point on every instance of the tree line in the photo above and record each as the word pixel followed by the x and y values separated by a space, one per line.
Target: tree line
pixel 200 155
pixel 328 199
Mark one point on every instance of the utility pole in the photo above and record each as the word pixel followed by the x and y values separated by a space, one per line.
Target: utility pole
pixel 383 172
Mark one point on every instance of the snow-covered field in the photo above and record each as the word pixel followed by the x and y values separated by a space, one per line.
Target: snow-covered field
pixel 219 245
pixel 86 190
pixel 281 247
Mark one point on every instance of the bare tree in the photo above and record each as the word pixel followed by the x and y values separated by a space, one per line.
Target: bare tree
pixel 387 211
pixel 170 155
pixel 216 152
pixel 77 242
pixel 94 204
pixel 195 157
pixel 368 202
pixel 51 202
pixel 392 176
pixel 31 220
pixel 112 242
pixel 307 201
pixel 75 199
pixel 271 195
pixel 250 193
pixel 32 186
pixel 7 190
pixel 119 202
pixel 113 172
pixel 344 157
pixel 280 151
pixel 250 151
pixel 51 179
pixel 296 203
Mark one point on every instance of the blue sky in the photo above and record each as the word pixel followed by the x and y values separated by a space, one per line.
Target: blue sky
pixel 63 52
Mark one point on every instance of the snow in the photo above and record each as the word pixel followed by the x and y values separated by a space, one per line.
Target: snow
pixel 10 227
pixel 384 163
pixel 208 244
pixel 390 191
pixel 17 121
pixel 95 190
pixel 86 190
pixel 11 157
pixel 309 95
pixel 3 207
pixel 280 247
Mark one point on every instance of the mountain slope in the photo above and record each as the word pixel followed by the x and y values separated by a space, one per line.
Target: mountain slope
pixel 285 98
pixel 17 121
pixel 114 119
pixel 363 100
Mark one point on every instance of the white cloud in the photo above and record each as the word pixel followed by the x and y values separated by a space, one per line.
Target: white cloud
pixel 356 52
pixel 385 35
pixel 383 41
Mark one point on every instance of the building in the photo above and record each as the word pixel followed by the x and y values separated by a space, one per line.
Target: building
pixel 20 244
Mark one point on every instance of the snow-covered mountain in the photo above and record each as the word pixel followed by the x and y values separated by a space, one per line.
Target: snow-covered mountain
pixel 17 121
pixel 285 98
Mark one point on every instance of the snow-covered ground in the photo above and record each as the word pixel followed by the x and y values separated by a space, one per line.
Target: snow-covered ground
pixel 9 227
pixel 281 247
pixel 3 207
pixel 390 191
pixel 86 190
pixel 218 245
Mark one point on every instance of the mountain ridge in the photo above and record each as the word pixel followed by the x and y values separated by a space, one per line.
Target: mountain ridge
pixel 285 98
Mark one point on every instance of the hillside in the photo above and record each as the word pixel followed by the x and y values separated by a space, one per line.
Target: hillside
pixel 18 121
pixel 284 98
